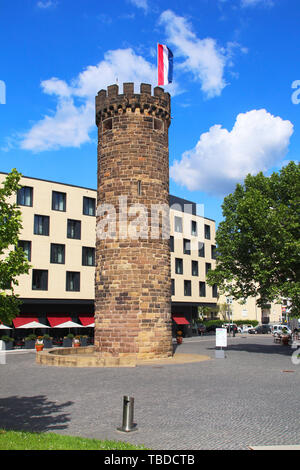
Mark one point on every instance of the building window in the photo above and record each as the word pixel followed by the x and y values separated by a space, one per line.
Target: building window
pixel 178 266
pixel 73 281
pixel 195 269
pixel 26 247
pixel 207 267
pixel 186 246
pixel 194 228
pixel 89 206
pixel 41 225
pixel 202 289
pixel 172 286
pixel 59 201
pixel 178 224
pixel 88 256
pixel 74 229
pixel 171 243
pixel 207 232
pixel 39 279
pixel 215 290
pixel 25 196
pixel 213 252
pixel 188 288
pixel 201 249
pixel 57 253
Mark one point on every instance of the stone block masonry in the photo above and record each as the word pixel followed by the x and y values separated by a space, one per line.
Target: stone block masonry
pixel 133 274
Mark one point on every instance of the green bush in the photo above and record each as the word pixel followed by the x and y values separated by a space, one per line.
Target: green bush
pixel 246 322
pixel 7 339
pixel 216 323
pixel 31 337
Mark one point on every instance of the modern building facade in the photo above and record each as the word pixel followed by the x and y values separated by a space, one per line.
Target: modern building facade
pixel 59 237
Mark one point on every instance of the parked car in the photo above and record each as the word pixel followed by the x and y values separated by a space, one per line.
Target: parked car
pixel 260 329
pixel 264 329
pixel 246 328
pixel 277 329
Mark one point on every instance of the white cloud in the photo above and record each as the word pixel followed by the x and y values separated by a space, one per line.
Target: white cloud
pixel 223 158
pixel 73 120
pixel 140 4
pixel 44 4
pixel 203 57
pixel 252 3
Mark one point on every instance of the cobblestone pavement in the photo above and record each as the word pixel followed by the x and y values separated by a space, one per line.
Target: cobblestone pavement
pixel 249 398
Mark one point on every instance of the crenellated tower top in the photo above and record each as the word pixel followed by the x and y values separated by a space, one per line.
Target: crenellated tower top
pixel 110 103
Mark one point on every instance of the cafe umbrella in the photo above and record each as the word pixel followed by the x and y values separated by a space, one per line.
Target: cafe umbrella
pixel 4 327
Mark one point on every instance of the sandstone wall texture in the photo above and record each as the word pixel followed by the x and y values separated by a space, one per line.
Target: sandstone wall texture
pixel 133 275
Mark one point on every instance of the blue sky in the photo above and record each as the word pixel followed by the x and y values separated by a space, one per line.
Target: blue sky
pixel 232 109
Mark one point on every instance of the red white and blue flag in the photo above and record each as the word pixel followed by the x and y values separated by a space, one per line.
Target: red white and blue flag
pixel 164 65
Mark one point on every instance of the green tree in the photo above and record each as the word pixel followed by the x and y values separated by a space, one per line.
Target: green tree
pixel 258 247
pixel 13 261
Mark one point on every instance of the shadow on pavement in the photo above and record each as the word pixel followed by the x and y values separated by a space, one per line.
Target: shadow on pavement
pixel 261 348
pixel 36 414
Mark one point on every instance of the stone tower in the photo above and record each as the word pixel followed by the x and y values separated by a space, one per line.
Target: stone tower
pixel 133 274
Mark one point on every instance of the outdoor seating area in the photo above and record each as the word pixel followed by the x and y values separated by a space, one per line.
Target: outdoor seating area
pixel 57 331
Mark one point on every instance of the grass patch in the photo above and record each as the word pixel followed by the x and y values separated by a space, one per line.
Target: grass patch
pixel 19 440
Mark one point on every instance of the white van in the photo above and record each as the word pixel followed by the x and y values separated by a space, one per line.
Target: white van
pixel 246 328
pixel 278 329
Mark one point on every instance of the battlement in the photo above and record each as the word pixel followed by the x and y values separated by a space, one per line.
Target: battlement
pixel 109 102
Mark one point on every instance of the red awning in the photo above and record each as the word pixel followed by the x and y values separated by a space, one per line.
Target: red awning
pixel 20 321
pixel 57 320
pixel 86 319
pixel 180 320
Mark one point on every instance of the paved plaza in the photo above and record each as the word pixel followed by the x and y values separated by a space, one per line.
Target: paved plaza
pixel 250 398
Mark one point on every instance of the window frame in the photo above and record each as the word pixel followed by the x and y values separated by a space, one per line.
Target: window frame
pixel 45 218
pixel 78 224
pixel 19 203
pixel 43 281
pixel 202 289
pixel 20 246
pixel 181 264
pixel 187 282
pixel 86 199
pixel 195 263
pixel 84 256
pixel 56 193
pixel 68 280
pixel 52 257
pixel 186 242
pixel 201 251
pixel 177 219
pixel 194 233
pixel 207 232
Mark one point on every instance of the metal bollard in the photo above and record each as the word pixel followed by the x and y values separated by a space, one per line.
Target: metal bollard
pixel 128 407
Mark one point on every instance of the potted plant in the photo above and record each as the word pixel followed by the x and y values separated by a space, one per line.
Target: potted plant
pixel 47 341
pixel 76 341
pixel 39 343
pixel 67 342
pixel 6 343
pixel 30 341
pixel 179 337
